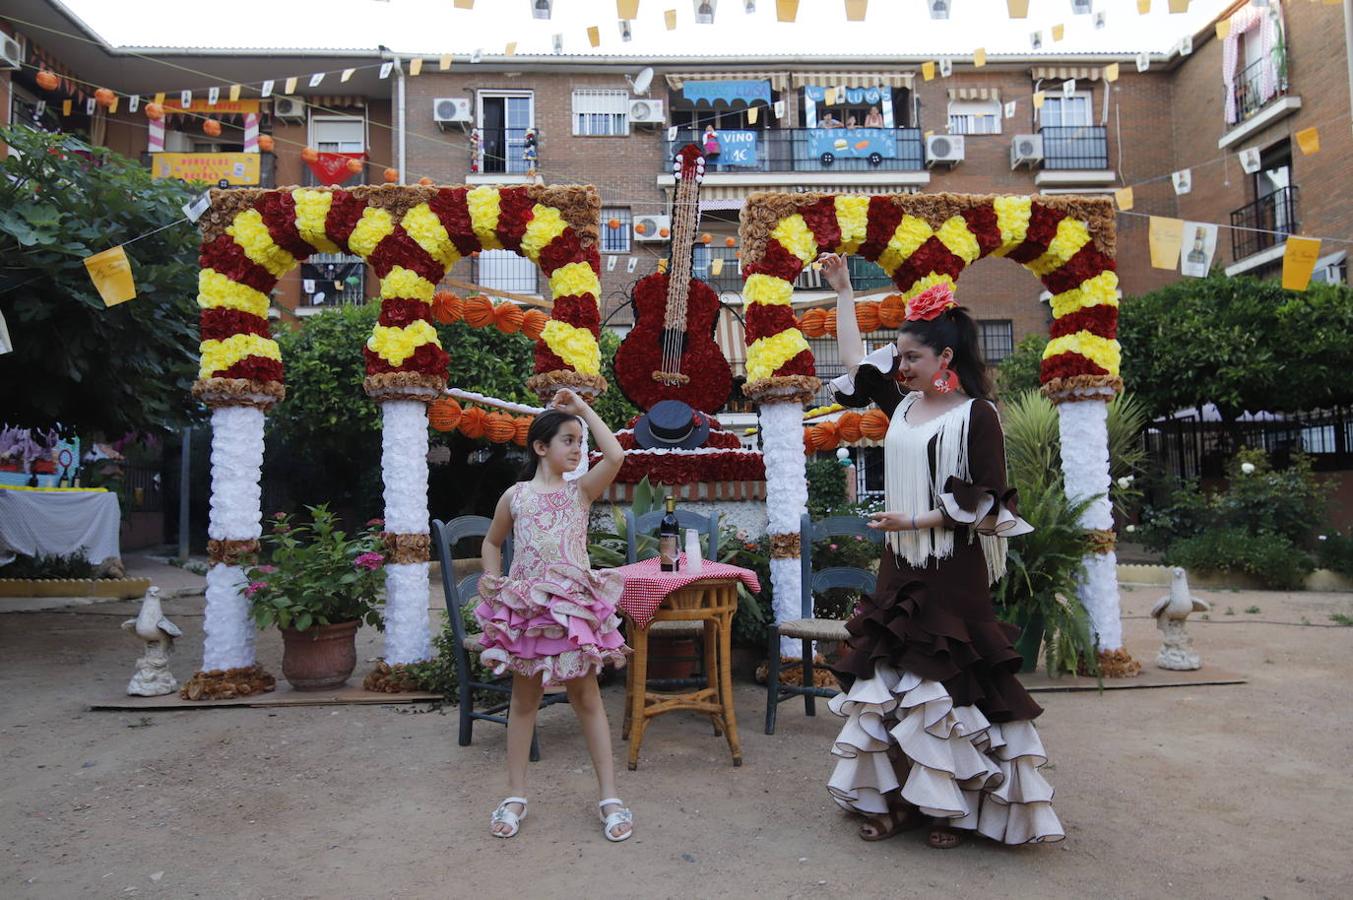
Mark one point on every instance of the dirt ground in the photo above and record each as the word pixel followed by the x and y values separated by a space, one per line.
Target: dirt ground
pixel 1230 791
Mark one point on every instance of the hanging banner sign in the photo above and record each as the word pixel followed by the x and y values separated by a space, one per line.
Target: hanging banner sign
pixel 736 148
pixel 332 168
pixel 219 108
pixel 853 142
pixel 233 168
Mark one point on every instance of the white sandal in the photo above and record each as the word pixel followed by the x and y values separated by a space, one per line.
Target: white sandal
pixel 621 816
pixel 504 816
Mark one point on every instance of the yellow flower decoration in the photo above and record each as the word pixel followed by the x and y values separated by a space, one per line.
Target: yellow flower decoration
pixel 1102 290
pixel 575 346
pixel 1072 235
pixel 403 283
pixel 546 224
pixel 252 235
pixel 960 240
pixel 795 236
pixel 574 280
pixel 852 216
pixel 484 211
pixel 427 231
pixel 395 344
pixel 1103 352
pixel 372 228
pixel 927 281
pixel 217 356
pixel 312 212
pixel 767 354
pixel 911 233
pixel 767 289
pixel 1012 217
pixel 216 291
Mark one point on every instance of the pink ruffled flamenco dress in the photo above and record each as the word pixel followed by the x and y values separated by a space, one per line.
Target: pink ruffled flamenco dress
pixel 552 614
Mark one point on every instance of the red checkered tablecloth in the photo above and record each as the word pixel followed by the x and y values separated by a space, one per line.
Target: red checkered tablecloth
pixel 646 585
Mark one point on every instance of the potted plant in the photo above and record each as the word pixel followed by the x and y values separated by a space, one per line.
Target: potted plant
pixel 318 587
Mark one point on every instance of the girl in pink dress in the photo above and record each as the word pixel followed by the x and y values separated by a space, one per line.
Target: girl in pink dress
pixel 552 619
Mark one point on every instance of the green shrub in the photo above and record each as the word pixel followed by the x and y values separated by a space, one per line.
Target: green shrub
pixel 1271 559
pixel 1334 550
pixel 826 486
pixel 56 565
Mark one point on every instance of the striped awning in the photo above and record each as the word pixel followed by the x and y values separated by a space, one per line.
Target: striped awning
pixel 732 341
pixel 975 93
pixel 778 80
pixel 1065 72
pixel 340 101
pixel 854 79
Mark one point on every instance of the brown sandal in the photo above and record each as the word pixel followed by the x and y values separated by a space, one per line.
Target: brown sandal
pixel 942 837
pixel 894 821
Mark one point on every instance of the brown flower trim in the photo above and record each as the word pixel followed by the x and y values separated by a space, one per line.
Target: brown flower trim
pixel 1103 541
pixel 221 392
pixel 407 548
pixel 761 213
pixel 546 383
pixel 404 386
pixel 231 553
pixel 225 206
pixel 226 684
pixel 784 546
pixel 670 377
pixel 388 679
pixel 1116 664
pixel 791 672
pixel 1079 388
pixel 396 199
pixel 783 389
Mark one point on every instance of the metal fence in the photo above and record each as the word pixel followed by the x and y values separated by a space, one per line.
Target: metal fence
pixel 1277 212
pixel 1189 448
pixel 1075 147
pixel 1251 92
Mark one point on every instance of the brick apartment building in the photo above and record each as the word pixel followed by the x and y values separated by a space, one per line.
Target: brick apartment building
pixel 469 124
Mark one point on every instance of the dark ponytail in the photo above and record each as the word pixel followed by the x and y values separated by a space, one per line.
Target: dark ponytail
pixel 954 328
pixel 543 428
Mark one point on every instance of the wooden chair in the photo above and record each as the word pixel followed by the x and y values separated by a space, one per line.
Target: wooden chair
pixel 808 628
pixel 458 594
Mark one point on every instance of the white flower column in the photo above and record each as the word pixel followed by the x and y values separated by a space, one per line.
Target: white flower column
pixel 236 469
pixel 404 466
pixel 786 502
pixel 1084 431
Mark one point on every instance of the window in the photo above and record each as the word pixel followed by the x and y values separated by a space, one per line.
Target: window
pixel 504 118
pixel 337 134
pixel 974 117
pixel 505 270
pixel 335 279
pixel 601 113
pixel 998 339
pixel 1332 269
pixel 615 240
pixel 1071 111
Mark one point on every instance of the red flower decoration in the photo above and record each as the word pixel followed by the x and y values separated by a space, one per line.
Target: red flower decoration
pixel 676 468
pixel 930 303
pixel 256 368
pixel 398 249
pixel 1099 320
pixel 452 209
pixel 278 210
pixel 1065 365
pixel 820 217
pixel 428 359
pixel 228 258
pixel 219 324
pixel 345 211
pixel 564 249
pixel 515 211
pixel 399 312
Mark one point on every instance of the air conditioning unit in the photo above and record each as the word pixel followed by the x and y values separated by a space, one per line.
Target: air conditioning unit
pixel 1026 150
pixel 647 112
pixel 652 228
pixel 452 111
pixel 943 149
pixel 288 108
pixel 11 53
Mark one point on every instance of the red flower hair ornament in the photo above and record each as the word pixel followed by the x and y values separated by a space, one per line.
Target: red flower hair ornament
pixel 931 303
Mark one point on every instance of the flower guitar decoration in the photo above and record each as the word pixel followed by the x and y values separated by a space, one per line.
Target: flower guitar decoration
pixel 671 353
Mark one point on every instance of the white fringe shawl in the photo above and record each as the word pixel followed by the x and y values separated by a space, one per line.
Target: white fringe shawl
pixel 909 489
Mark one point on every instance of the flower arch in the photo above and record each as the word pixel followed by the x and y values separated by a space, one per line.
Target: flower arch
pixel 920 240
pixel 411 236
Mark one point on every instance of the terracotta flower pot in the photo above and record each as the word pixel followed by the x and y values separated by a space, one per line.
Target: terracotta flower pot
pixel 320 658
pixel 671 657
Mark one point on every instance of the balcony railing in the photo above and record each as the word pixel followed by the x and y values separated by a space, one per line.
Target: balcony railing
pixel 1084 147
pixel 502 151
pixel 339 276
pixel 1274 216
pixel 1254 88
pixel 813 150
pixel 864 275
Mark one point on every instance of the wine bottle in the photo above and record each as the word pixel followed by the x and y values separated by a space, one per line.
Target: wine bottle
pixel 668 529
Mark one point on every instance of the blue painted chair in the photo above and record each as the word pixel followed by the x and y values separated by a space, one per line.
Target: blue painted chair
pixel 808 628
pixel 458 594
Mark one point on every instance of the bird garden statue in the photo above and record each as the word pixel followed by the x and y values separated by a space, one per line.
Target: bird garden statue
pixel 1170 612
pixel 152 677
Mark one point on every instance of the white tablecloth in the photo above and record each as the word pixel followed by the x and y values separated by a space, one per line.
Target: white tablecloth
pixel 58 522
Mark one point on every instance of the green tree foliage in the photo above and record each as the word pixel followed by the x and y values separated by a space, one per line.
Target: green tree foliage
pixel 1018 372
pixel 76 361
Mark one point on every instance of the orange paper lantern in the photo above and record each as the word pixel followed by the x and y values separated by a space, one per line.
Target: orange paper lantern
pixel 48 80
pixel 867 317
pixel 265 143
pixel 479 311
pixel 211 128
pixel 808 448
pixel 354 166
pixel 499 427
pixel 730 242
pixel 874 424
pixel 825 436
pixel 309 154
pixel 444 414
pixel 829 323
pixel 848 427
pixel 893 311
pixel 533 323
pixel 509 317
pixel 391 176
pixel 663 232
pixel 105 97
pixel 813 323
pixel 522 429
pixel 640 228
pixel 155 112
pixel 706 238
pixel 472 423
pixel 447 307
pixel 425 181
pixel 613 224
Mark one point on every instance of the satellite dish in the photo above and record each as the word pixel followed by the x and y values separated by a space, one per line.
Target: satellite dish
pixel 641 82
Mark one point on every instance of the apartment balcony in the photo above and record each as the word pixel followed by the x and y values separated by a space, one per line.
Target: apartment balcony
pixel 1072 156
pixel 501 157
pixel 1259 95
pixel 1269 221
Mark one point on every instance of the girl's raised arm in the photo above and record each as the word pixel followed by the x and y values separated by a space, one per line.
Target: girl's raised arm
pixel 848 339
pixel 600 476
